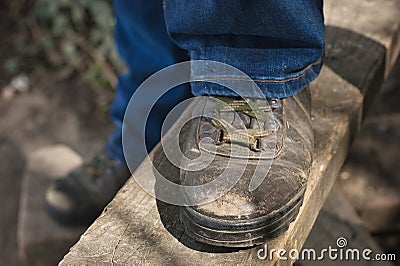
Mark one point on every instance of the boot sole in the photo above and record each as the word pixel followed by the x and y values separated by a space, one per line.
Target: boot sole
pixel 240 233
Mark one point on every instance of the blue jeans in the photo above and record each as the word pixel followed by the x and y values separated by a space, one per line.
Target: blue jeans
pixel 144 45
pixel 279 44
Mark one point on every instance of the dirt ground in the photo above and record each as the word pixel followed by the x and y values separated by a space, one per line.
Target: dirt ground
pixel 370 178
pixel 60 108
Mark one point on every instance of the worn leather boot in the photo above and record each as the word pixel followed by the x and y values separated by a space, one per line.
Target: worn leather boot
pixel 80 197
pixel 263 202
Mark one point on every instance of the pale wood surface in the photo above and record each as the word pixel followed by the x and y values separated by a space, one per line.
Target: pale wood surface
pixel 361 39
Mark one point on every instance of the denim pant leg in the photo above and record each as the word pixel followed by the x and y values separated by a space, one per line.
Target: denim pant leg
pixel 278 44
pixel 143 43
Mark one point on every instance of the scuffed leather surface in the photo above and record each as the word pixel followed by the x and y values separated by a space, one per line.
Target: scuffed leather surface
pixel 286 178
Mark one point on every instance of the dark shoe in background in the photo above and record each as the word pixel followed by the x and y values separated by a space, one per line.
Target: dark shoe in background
pixel 240 217
pixel 79 198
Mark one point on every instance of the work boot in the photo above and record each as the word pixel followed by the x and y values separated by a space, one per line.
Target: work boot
pixel 274 135
pixel 79 198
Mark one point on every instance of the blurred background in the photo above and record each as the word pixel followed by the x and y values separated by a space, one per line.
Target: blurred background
pixel 58 69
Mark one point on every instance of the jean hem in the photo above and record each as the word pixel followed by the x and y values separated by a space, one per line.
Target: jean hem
pixel 271 87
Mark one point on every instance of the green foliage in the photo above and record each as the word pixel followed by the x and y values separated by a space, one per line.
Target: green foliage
pixel 82 32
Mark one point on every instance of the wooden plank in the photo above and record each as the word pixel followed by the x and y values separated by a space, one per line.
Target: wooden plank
pixel 357 34
pixel 135 229
pixel 378 21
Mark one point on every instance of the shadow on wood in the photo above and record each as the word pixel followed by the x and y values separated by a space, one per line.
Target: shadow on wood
pixel 351 55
